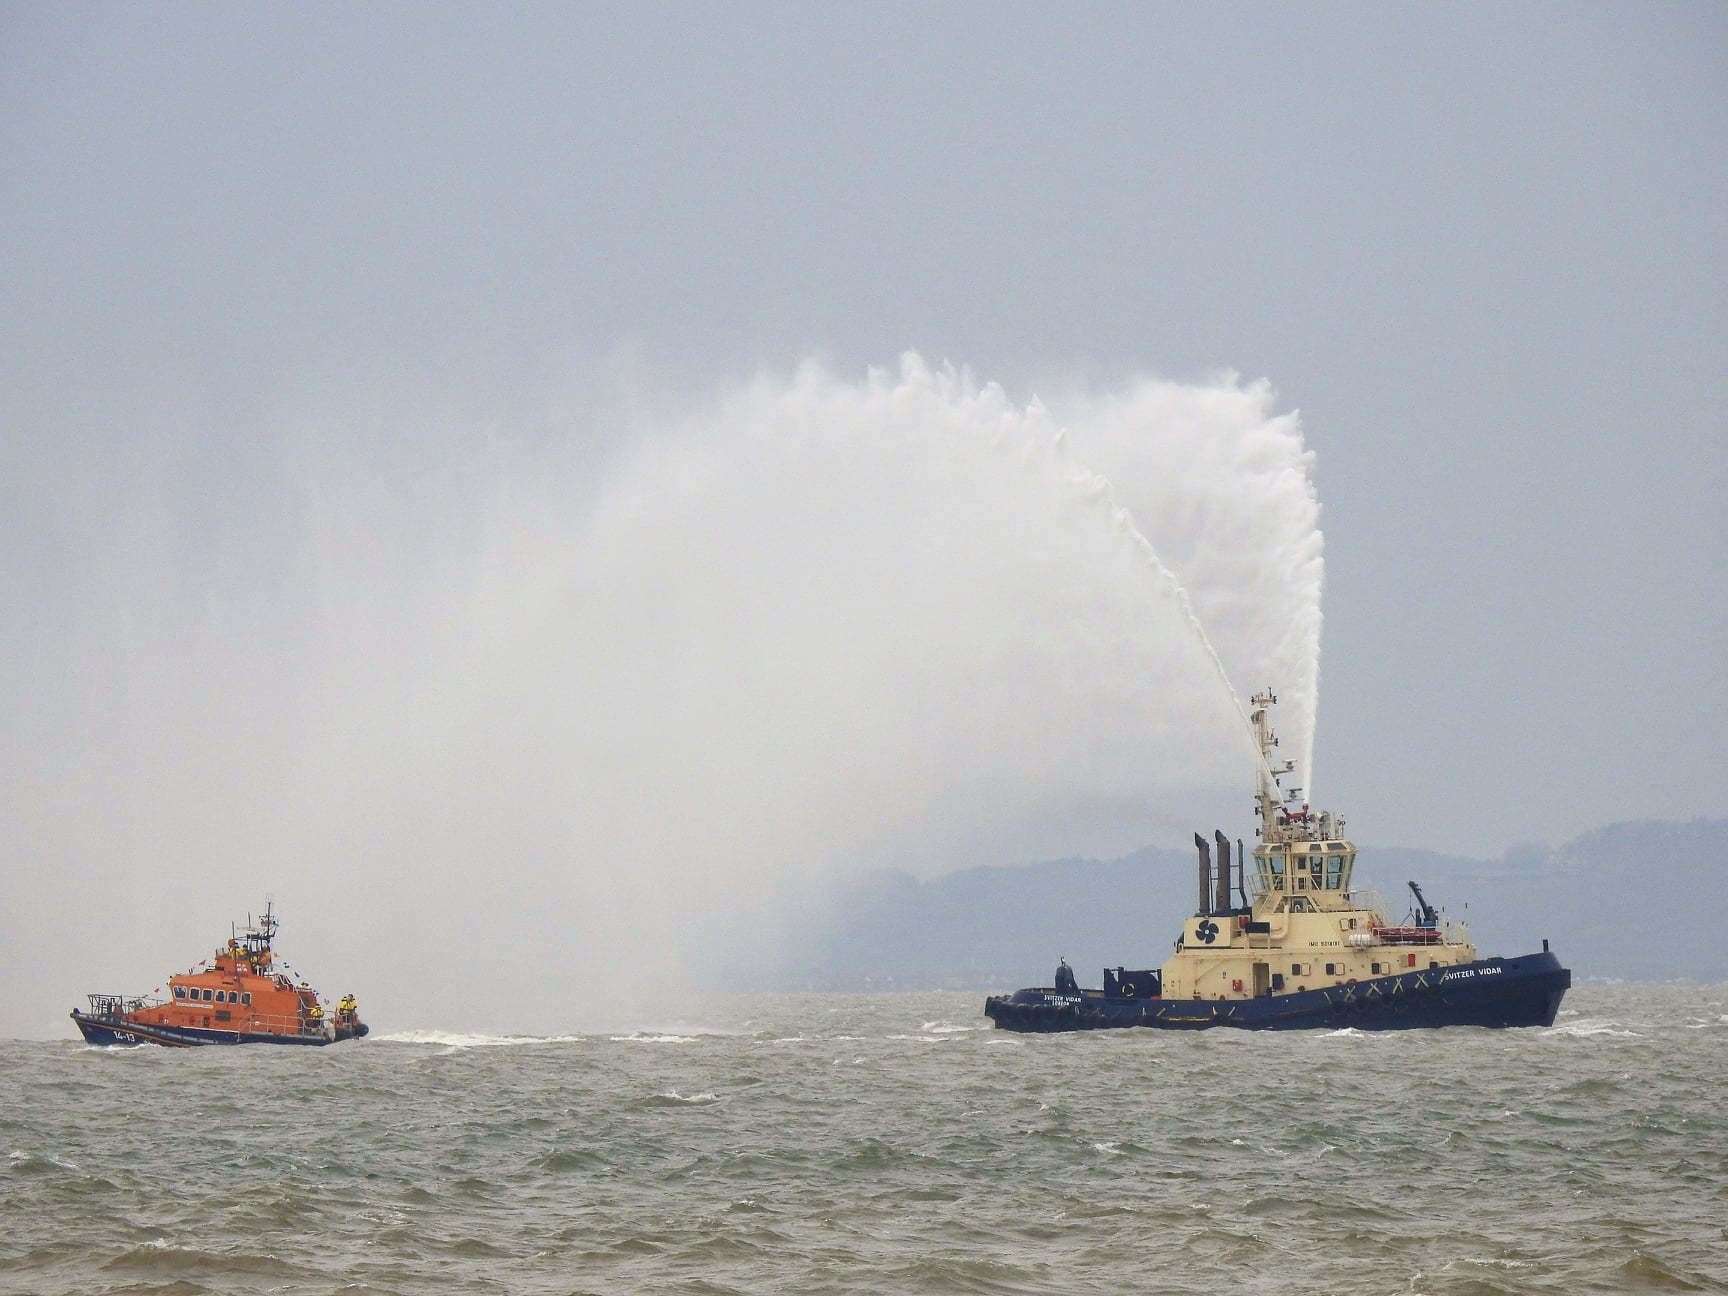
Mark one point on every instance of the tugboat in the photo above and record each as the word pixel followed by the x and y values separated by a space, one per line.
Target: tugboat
pixel 234 997
pixel 1297 947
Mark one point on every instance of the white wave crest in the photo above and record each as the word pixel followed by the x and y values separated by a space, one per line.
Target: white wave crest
pixel 1589 1026
pixel 461 1040
pixel 947 1028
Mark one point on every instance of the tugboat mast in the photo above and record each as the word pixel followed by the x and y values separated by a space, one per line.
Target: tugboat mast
pixel 1284 817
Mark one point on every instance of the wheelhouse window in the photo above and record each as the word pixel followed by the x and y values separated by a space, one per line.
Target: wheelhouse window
pixel 1334 872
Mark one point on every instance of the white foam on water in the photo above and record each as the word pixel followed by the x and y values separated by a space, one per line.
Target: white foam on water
pixel 642 1037
pixel 19 1157
pixel 1588 1027
pixel 948 1028
pixel 463 1040
pixel 697 1099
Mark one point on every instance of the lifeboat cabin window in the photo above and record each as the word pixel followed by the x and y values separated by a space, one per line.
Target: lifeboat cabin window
pixel 246 998
pixel 179 992
pixel 206 995
pixel 221 996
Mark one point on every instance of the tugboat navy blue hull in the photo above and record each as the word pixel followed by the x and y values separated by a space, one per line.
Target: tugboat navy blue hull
pixel 96 1030
pixel 1524 991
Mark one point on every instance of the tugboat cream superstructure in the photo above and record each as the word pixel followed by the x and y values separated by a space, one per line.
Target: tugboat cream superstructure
pixel 1297 946
pixel 236 997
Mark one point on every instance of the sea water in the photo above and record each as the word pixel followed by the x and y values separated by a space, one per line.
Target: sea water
pixel 889 1143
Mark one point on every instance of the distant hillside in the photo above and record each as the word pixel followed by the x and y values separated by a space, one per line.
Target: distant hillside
pixel 1634 900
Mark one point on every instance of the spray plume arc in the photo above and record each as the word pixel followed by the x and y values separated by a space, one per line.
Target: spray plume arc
pixel 1124 520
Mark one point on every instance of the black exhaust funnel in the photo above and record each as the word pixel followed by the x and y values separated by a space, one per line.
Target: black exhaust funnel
pixel 1223 891
pixel 1205 874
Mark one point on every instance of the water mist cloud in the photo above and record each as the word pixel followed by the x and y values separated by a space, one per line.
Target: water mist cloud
pixel 497 703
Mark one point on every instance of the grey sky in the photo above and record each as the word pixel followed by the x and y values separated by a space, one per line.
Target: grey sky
pixel 1481 249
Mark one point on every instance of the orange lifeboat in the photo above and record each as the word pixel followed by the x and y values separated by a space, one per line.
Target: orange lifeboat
pixel 237 996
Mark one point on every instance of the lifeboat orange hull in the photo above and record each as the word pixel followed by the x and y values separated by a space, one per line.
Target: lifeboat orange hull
pixel 123 1031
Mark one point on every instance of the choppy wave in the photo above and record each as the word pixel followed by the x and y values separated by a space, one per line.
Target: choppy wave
pixel 931 1154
